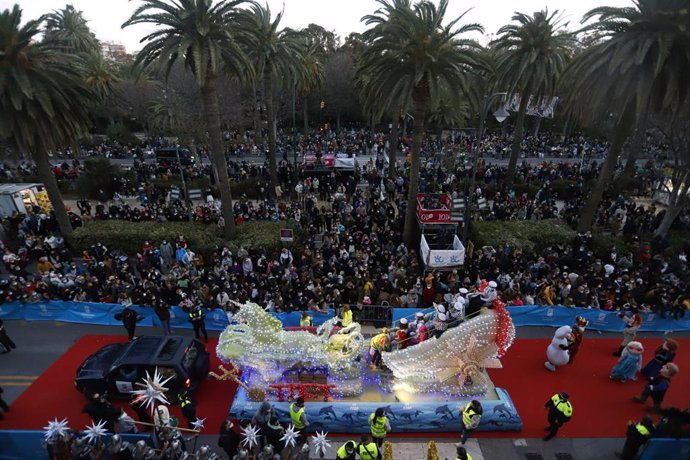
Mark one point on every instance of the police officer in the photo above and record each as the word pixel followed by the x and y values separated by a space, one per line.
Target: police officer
pixel 305 320
pixel 367 448
pixel 188 408
pixel 379 425
pixel 346 451
pixel 560 412
pixel 636 436
pixel 471 416
pixel 462 454
pixel 299 419
pixel 196 317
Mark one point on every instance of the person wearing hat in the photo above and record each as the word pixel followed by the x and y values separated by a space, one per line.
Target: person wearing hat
pixel 439 324
pixel 560 412
pixel 379 343
pixel 346 451
pixel 401 334
pixel 489 294
pixel 298 417
pixel 636 436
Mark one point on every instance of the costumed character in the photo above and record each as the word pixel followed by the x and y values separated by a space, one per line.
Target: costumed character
pixel 379 343
pixel 632 325
pixel 629 363
pixel 577 334
pixel 401 334
pixel 662 355
pixel 489 293
pixel 557 352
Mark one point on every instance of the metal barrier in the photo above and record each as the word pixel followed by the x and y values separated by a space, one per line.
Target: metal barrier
pixel 376 315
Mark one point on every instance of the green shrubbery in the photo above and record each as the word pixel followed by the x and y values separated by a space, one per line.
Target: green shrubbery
pixel 202 238
pixel 527 235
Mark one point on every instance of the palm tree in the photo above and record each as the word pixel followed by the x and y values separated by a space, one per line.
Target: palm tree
pixel 310 75
pixel 44 99
pixel 410 57
pixel 531 56
pixel 639 65
pixel 277 54
pixel 201 35
pixel 69 30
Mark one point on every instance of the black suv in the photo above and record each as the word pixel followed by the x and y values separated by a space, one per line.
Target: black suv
pixel 116 368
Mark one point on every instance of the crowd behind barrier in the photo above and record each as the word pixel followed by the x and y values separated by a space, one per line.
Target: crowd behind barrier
pixel 103 314
pixel 216 320
pixel 27 444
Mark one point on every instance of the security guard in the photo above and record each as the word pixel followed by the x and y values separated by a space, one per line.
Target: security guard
pixel 368 449
pixel 378 422
pixel 346 451
pixel 636 436
pixel 305 320
pixel 299 419
pixel 188 408
pixel 347 316
pixel 560 412
pixel 196 317
pixel 462 454
pixel 471 416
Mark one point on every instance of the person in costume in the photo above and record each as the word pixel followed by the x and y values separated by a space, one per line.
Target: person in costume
pixel 401 334
pixel 379 343
pixel 662 355
pixel 557 352
pixel 629 363
pixel 632 325
pixel 577 335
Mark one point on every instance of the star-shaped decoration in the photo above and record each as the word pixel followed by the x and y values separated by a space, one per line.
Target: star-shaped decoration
pixel 251 436
pixel 290 436
pixel 471 362
pixel 198 424
pixel 55 429
pixel 152 390
pixel 320 442
pixel 95 431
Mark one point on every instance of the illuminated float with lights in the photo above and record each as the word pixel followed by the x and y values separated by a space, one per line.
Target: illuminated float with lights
pixel 423 387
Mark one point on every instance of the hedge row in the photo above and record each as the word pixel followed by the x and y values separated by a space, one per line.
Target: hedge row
pixel 202 238
pixel 527 235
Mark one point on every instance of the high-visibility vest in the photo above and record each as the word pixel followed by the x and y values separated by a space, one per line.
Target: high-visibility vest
pixel 305 321
pixel 643 430
pixel 378 426
pixel 184 402
pixel 368 452
pixel 564 406
pixel 347 318
pixel 296 416
pixel 342 451
pixel 469 457
pixel 195 315
pixel 378 342
pixel 467 414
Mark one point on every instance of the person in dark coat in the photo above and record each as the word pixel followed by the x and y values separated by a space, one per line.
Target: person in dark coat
pixel 5 339
pixel 636 436
pixel 129 319
pixel 664 354
pixel 188 407
pixel 560 412
pixel 162 310
pixel 228 440
pixel 4 407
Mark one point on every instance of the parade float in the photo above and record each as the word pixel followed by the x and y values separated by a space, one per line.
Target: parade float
pixel 423 387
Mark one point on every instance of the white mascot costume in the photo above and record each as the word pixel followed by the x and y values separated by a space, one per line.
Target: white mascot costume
pixel 557 352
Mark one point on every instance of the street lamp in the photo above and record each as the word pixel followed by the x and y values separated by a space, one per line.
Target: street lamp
pixel 501 114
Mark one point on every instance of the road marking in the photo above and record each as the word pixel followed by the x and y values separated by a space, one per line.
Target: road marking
pixel 18 377
pixel 15 384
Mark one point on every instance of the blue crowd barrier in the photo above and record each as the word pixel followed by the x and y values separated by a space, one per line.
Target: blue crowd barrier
pixel 557 316
pixel 29 444
pixel 666 449
pixel 103 314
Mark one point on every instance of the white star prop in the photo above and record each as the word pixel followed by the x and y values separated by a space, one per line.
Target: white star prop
pixel 152 390
pixel 321 443
pixel 56 429
pixel 94 431
pixel 290 436
pixel 251 436
pixel 198 424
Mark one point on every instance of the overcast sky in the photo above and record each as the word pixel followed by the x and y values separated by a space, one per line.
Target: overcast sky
pixel 342 16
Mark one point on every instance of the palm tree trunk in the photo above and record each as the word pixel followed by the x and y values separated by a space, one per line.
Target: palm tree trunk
pixel 677 202
pixel 393 141
pixel 517 141
pixel 212 120
pixel 255 115
pixel 635 147
pixel 268 97
pixel 305 114
pixel 45 172
pixel 421 97
pixel 620 134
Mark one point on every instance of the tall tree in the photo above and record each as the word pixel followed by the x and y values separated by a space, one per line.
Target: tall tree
pixel 200 34
pixel 532 53
pixel 411 56
pixel 277 54
pixel 44 99
pixel 640 64
pixel 310 75
pixel 69 31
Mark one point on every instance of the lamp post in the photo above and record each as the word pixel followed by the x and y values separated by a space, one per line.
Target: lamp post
pixel 501 114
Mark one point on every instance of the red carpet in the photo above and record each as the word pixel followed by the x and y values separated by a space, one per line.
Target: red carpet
pixel 53 394
pixel 601 407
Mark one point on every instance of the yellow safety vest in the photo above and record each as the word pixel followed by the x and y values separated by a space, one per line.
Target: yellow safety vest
pixel 305 322
pixel 467 415
pixel 378 342
pixel 368 452
pixel 185 402
pixel 347 318
pixel 564 406
pixel 469 457
pixel 296 416
pixel 342 452
pixel 643 430
pixel 378 427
